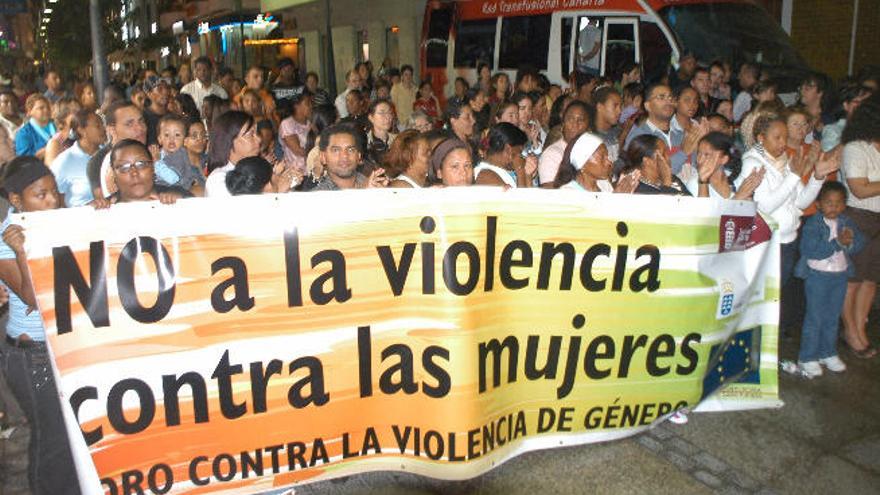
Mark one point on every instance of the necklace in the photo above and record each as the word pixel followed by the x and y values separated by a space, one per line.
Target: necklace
pixel 655 185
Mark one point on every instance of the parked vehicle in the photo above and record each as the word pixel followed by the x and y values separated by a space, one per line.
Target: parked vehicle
pixel 599 36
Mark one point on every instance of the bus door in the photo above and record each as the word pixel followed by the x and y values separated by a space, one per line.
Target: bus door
pixel 436 45
pixel 620 45
pixel 598 44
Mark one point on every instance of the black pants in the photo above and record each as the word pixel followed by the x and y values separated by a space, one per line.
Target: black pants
pixel 50 463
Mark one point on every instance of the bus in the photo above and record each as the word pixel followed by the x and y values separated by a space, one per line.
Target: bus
pixel 557 37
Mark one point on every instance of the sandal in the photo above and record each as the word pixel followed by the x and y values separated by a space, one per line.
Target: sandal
pixel 866 353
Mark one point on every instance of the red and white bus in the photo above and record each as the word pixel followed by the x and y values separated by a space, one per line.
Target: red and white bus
pixel 599 36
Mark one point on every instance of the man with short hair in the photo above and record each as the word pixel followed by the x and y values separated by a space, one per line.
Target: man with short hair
pixel 660 105
pixel 609 105
pixel 123 120
pixel 202 85
pixel 340 154
pixel 253 79
pixel 10 119
pixel 320 96
pixel 158 91
pixel 54 89
pixel 286 76
pixel 585 84
pixel 687 65
pixel 403 94
pixel 352 81
pixel 170 74
pixel 701 84
pixel 225 77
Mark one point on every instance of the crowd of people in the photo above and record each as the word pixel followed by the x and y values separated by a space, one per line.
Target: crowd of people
pixel 199 131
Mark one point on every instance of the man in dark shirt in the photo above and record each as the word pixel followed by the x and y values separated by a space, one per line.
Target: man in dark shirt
pixel 158 91
pixel 341 151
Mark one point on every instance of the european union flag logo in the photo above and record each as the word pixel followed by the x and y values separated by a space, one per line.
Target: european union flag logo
pixel 737 360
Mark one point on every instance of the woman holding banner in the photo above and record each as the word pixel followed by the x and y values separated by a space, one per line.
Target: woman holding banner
pixel 649 155
pixel 586 167
pixel 29 186
pixel 452 163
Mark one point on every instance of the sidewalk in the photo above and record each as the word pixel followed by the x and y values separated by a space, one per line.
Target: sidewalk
pixel 825 440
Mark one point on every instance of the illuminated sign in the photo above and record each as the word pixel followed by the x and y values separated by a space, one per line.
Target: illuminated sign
pixel 282 41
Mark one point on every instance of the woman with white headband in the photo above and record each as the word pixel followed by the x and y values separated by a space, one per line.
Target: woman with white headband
pixel 586 167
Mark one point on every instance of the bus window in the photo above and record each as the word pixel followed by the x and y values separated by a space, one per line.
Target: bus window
pixel 621 45
pixel 565 50
pixel 656 52
pixel 438 37
pixel 475 43
pixel 589 45
pixel 524 41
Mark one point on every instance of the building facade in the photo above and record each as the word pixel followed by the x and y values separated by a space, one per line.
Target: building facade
pixel 360 31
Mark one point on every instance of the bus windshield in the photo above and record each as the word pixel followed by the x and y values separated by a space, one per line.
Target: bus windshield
pixel 737 32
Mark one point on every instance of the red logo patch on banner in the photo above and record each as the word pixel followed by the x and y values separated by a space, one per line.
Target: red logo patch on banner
pixel 739 233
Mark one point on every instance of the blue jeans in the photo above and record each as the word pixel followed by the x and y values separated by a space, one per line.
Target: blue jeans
pixel 788 257
pixel 825 293
pixel 50 463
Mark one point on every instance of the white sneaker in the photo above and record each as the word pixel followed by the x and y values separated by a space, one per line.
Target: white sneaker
pixel 811 369
pixel 679 418
pixel 834 364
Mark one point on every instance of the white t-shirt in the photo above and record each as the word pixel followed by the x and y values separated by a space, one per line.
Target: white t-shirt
pixel 215 185
pixel 198 92
pixel 861 159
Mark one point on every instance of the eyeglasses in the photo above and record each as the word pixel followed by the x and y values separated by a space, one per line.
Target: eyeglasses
pixel 198 136
pixel 664 97
pixel 126 168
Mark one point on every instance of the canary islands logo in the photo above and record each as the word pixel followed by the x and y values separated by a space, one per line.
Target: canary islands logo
pixel 725 303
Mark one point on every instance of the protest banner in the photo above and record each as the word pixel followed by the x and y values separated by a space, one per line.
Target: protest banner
pixel 244 345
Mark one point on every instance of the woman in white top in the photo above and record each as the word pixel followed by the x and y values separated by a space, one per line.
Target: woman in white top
pixel 408 160
pixel 586 167
pixel 718 166
pixel 233 137
pixel 504 164
pixel 861 174
pixel 781 194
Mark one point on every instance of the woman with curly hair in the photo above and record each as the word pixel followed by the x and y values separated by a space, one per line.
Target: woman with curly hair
pixel 861 171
